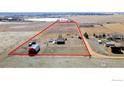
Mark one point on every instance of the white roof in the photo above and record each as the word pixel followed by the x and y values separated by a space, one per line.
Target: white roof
pixel 45 19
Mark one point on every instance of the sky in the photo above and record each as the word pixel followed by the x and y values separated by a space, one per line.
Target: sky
pixel 61 5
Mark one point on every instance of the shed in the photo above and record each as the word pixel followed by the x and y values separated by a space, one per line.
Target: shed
pixel 60 41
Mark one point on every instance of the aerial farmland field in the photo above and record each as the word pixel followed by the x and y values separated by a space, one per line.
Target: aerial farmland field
pixel 75 51
pixel 73 45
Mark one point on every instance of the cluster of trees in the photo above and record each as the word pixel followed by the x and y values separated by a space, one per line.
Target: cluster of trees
pixel 86 35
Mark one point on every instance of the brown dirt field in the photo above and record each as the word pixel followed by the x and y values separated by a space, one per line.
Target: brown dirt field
pixel 106 28
pixel 96 30
pixel 115 28
pixel 22 26
pixel 98 19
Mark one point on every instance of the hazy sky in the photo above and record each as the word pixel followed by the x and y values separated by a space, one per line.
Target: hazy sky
pixel 61 5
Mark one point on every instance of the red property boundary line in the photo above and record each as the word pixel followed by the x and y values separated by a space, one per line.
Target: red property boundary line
pixel 11 53
pixel 52 55
pixel 82 37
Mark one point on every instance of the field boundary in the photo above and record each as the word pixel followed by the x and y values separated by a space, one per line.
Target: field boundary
pixel 11 53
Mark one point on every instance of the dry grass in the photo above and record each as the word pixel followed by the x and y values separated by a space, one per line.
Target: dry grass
pixel 14 33
pixel 73 45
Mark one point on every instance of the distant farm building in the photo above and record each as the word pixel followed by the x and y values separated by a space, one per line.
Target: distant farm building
pixel 110 44
pixel 116 37
pixel 86 25
pixel 64 20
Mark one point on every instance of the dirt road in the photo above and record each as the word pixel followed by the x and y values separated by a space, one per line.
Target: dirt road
pixel 97 55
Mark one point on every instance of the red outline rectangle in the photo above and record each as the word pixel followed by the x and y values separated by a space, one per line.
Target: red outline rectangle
pixel 78 29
